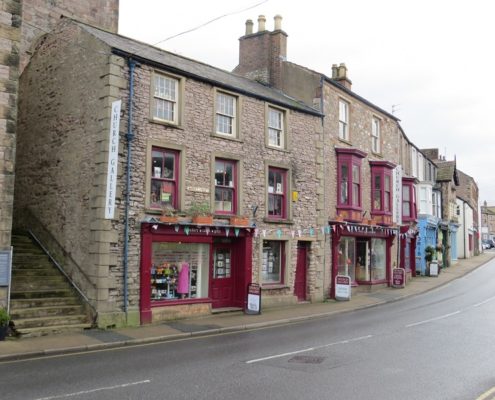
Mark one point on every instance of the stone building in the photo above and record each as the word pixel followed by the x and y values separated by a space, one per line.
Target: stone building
pixel 190 134
pixel 360 162
pixel 487 221
pixel 22 24
pixel 469 193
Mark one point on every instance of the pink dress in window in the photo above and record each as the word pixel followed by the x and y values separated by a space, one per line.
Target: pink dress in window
pixel 183 280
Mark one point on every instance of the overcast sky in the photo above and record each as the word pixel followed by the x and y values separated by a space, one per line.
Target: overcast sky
pixel 433 61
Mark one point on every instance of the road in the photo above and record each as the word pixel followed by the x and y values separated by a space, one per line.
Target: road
pixel 439 345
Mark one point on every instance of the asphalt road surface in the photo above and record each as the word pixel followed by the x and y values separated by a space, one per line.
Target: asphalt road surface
pixel 439 345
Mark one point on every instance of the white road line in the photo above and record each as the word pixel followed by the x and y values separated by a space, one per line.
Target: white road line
pixel 432 319
pixel 61 396
pixel 486 394
pixel 483 302
pixel 308 349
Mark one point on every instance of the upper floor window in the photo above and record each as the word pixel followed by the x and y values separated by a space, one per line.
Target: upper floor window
pixel 226 112
pixel 164 178
pixel 381 175
pixel 277 193
pixel 408 200
pixel 165 98
pixel 343 120
pixel 225 186
pixel 437 206
pixel 349 177
pixel 421 167
pixel 375 136
pixel 414 162
pixel 276 128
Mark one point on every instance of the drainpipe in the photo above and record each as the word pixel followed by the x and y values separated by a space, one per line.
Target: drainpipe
pixel 322 106
pixel 129 136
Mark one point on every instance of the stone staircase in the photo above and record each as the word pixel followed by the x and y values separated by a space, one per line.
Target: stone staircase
pixel 42 300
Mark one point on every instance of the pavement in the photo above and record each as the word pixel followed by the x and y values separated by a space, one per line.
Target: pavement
pixel 96 339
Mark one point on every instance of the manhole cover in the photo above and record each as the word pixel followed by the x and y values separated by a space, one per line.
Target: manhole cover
pixel 307 360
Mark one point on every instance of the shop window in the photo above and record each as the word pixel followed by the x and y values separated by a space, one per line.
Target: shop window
pixel 273 262
pixel 225 186
pixel 164 178
pixel 165 105
pixel 349 178
pixel 277 193
pixel 381 173
pixel 378 259
pixel 346 259
pixel 179 271
pixel 226 114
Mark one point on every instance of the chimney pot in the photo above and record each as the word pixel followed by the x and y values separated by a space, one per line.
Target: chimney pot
pixel 278 22
pixel 249 27
pixel 335 71
pixel 261 23
pixel 342 71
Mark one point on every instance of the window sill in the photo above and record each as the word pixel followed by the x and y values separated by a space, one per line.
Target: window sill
pixel 226 137
pixel 176 302
pixel 273 286
pixel 278 221
pixel 379 155
pixel 346 141
pixel 284 150
pixel 166 123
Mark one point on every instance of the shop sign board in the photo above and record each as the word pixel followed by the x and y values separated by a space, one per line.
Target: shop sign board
pixel 398 277
pixel 342 287
pixel 253 303
pixel 113 156
pixel 434 268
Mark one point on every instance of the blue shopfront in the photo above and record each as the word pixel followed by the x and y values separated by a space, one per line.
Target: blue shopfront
pixel 428 234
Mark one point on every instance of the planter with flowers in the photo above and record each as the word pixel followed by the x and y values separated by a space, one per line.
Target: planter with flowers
pixel 239 220
pixel 169 214
pixel 201 214
pixel 4 323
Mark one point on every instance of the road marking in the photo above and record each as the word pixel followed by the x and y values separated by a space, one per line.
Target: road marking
pixel 483 302
pixel 486 394
pixel 432 319
pixel 61 396
pixel 308 349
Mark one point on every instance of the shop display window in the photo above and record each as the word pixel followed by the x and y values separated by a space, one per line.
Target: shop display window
pixel 272 264
pixel 347 256
pixel 179 271
pixel 378 259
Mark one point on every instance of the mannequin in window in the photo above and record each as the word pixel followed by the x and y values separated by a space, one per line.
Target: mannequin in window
pixel 183 280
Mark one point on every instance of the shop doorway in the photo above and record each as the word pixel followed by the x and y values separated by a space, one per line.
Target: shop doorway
pixel 223 277
pixel 362 260
pixel 301 270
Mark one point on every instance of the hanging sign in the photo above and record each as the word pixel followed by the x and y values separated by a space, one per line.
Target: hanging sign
pixel 342 287
pixel 5 267
pixel 398 277
pixel 253 303
pixel 113 155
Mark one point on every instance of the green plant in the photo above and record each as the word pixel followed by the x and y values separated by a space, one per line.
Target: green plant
pixel 429 253
pixel 4 317
pixel 199 209
pixel 169 211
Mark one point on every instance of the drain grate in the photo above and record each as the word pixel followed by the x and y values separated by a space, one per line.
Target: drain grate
pixel 307 359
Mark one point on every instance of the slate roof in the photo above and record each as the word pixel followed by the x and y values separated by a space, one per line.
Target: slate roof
pixel 446 171
pixel 151 55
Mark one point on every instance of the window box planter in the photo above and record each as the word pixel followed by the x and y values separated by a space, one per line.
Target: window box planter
pixel 239 221
pixel 202 219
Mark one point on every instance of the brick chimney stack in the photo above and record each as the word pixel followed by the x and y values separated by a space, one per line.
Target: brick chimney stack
pixel 262 54
pixel 339 74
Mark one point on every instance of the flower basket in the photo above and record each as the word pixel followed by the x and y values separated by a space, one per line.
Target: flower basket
pixel 202 219
pixel 239 221
pixel 169 219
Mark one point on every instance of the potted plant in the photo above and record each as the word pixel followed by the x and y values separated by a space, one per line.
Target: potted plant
pixel 201 213
pixel 239 220
pixel 4 323
pixel 169 214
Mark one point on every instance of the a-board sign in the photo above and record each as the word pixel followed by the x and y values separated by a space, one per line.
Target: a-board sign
pixel 253 303
pixel 342 287
pixel 398 277
pixel 434 268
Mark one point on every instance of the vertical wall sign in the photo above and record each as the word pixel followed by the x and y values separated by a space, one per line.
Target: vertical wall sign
pixel 113 157
pixel 397 196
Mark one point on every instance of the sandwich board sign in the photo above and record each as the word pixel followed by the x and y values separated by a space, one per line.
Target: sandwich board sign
pixel 253 304
pixel 398 277
pixel 342 287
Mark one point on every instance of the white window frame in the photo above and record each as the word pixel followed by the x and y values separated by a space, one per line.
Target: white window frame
pixel 375 136
pixel 166 97
pixel 414 162
pixel 226 113
pixel 421 168
pixel 276 131
pixel 343 120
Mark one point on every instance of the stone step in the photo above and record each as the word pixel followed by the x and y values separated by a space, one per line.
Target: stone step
pixel 47 311
pixel 26 285
pixel 26 273
pixel 38 264
pixel 52 330
pixel 34 294
pixel 17 304
pixel 63 320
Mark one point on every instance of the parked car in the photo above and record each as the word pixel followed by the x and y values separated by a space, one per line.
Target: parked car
pixel 488 244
